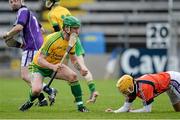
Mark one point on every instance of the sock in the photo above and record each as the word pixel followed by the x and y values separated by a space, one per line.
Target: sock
pixel 31 96
pixel 90 82
pixel 77 93
pixel 47 89
pixel 41 97
pixel 91 86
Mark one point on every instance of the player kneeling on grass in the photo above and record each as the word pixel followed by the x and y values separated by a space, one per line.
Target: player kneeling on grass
pixel 147 87
pixel 47 61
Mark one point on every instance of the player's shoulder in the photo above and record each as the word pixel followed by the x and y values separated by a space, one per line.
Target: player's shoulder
pixel 24 8
pixel 54 36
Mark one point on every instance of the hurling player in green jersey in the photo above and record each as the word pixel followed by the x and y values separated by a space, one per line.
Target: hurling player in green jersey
pixel 47 60
pixel 55 17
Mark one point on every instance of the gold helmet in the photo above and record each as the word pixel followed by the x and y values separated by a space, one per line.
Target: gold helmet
pixel 125 84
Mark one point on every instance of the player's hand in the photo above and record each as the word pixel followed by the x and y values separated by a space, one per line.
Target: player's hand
pixel 6 36
pixel 109 110
pixel 57 67
pixel 10 41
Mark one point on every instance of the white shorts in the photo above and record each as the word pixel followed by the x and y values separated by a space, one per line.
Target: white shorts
pixel 27 57
pixel 174 91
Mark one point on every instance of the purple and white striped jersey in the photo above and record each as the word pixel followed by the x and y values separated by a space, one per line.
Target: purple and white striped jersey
pixel 31 34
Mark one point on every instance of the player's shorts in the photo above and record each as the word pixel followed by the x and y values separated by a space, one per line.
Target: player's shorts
pixel 27 57
pixel 45 72
pixel 174 91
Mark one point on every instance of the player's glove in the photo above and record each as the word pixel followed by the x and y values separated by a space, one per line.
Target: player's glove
pixel 10 42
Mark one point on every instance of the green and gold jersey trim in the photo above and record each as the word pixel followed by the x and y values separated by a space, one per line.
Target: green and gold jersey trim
pixel 50 41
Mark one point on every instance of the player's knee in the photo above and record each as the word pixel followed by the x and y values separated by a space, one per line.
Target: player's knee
pixel 36 90
pixel 24 77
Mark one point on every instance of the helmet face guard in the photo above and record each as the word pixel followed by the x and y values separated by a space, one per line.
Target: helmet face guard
pixel 125 85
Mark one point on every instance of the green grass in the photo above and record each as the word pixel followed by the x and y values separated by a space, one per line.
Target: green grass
pixel 14 92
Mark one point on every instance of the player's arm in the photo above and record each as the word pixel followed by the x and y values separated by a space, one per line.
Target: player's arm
pixel 45 50
pixel 15 30
pixel 75 62
pixel 125 108
pixel 78 65
pixel 8 37
pixel 22 19
pixel 127 104
pixel 74 59
pixel 147 97
pixel 43 62
pixel 146 108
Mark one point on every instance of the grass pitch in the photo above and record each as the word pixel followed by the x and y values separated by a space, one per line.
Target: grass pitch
pixel 14 92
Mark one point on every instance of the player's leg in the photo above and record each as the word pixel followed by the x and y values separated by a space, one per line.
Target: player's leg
pixel 27 57
pixel 174 99
pixel 174 91
pixel 41 98
pixel 91 85
pixel 69 75
pixel 35 91
pixel 24 75
pixel 177 107
pixel 89 78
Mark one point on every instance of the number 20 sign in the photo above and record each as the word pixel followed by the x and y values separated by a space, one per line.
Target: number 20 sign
pixel 157 35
